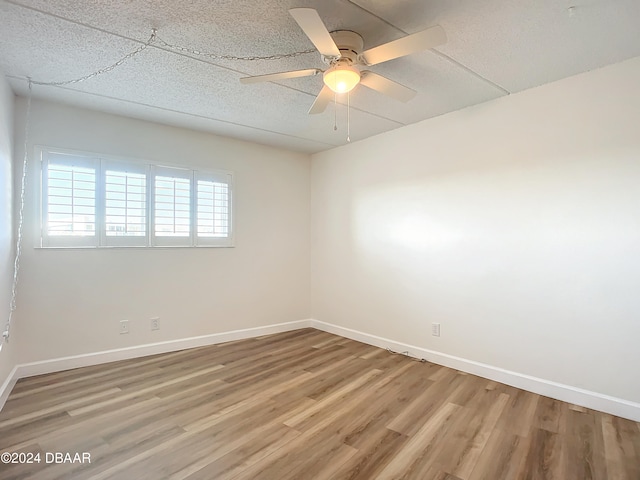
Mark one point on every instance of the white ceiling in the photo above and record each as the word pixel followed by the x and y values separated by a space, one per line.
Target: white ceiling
pixel 495 47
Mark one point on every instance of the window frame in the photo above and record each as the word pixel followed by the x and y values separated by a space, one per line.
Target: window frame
pixel 103 163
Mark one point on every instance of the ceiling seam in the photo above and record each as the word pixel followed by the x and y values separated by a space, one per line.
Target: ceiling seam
pixel 239 72
pixel 60 17
pixel 472 72
pixel 434 50
pixel 183 113
pixel 376 16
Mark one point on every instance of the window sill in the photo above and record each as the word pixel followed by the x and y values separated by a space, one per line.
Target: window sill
pixel 118 247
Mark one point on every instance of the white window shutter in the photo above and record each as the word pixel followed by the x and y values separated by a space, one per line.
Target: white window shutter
pixel 213 209
pixel 70 203
pixel 108 202
pixel 172 206
pixel 125 204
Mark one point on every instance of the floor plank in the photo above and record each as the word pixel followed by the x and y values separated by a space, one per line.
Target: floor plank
pixel 304 404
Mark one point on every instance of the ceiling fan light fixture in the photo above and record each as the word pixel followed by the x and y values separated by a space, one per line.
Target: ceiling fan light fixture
pixel 341 78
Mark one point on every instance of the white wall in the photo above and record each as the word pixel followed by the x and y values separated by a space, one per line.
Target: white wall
pixel 515 224
pixel 7 356
pixel 71 300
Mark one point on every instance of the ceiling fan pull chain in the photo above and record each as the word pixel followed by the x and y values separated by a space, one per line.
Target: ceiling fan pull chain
pixel 335 111
pixel 348 116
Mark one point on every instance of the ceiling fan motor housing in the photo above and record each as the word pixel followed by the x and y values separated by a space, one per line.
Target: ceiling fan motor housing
pixel 350 45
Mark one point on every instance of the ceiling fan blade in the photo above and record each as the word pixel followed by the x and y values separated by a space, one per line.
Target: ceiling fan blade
pixel 313 26
pixel 387 87
pixel 321 101
pixel 281 76
pixel 417 42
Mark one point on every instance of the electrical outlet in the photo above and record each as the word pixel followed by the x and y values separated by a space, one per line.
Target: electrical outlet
pixel 124 326
pixel 155 323
pixel 435 329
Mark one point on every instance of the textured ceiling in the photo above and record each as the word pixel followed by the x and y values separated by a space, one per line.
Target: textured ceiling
pixel 495 47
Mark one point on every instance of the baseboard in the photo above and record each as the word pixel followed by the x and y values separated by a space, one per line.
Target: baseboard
pixel 7 386
pixel 596 401
pixel 89 359
pixel 566 393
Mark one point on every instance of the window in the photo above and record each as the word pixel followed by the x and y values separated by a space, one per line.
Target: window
pixel 173 203
pixel 212 206
pixel 125 204
pixel 93 201
pixel 173 207
pixel 70 200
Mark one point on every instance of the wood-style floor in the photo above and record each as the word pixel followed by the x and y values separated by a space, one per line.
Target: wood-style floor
pixel 303 405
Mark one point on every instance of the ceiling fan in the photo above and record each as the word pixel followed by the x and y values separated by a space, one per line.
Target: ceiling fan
pixel 342 51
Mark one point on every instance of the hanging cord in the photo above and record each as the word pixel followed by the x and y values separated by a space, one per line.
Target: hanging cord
pixel 18 254
pixel 152 39
pixel 407 354
pixel 101 71
pixel 16 262
pixel 215 56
